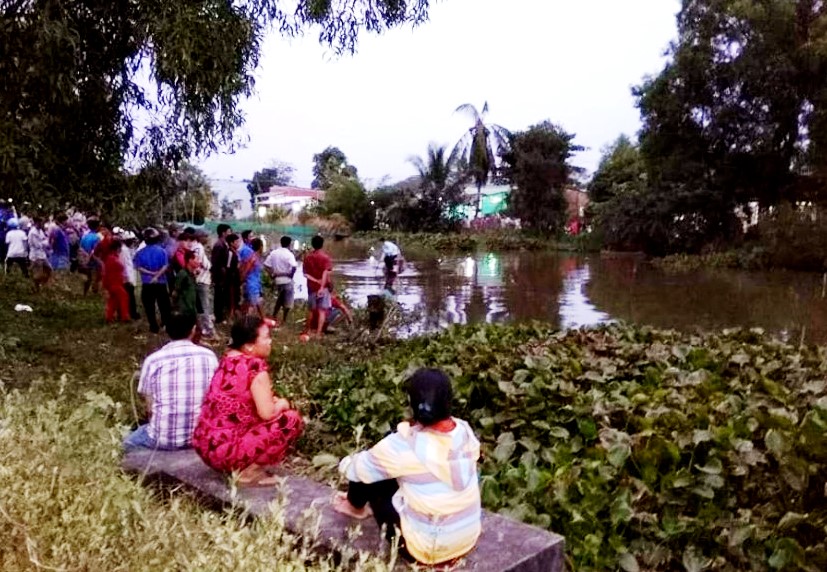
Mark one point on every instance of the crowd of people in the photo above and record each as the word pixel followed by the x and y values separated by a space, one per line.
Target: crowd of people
pixel 172 269
pixel 420 482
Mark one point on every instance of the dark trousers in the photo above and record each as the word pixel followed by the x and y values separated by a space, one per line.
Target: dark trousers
pixel 152 294
pixel 379 496
pixel 133 303
pixel 220 301
pixel 22 262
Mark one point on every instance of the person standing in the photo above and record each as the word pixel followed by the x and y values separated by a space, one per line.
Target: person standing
pixel 233 274
pixel 127 256
pixel 87 263
pixel 117 302
pixel 174 381
pixel 219 258
pixel 202 284
pixel 39 253
pixel 392 257
pixel 185 295
pixel 152 263
pixel 251 276
pixel 59 243
pixel 281 265
pixel 246 248
pixel 17 247
pixel 317 269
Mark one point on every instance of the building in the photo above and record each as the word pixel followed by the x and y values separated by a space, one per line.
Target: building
pixel 290 199
pixel 494 201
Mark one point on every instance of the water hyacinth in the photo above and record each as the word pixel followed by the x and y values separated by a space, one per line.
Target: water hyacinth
pixel 648 450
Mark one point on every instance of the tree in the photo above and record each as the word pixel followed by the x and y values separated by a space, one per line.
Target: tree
pixel 329 165
pixel 278 174
pixel 477 148
pixel 227 209
pixel 439 196
pixel 537 165
pixel 75 104
pixel 192 197
pixel 347 197
pixel 620 169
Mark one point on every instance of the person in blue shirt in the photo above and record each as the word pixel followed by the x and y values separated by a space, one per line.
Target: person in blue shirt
pixel 59 242
pixel 87 263
pixel 251 278
pixel 247 247
pixel 152 262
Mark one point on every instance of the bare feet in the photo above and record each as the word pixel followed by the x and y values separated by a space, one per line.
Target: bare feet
pixel 256 476
pixel 340 504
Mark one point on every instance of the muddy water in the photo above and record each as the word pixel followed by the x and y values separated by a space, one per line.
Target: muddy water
pixel 571 291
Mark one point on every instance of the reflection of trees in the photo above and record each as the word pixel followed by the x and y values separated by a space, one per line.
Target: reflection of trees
pixel 780 302
pixel 532 283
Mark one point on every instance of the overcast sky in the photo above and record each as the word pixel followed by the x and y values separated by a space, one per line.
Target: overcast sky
pixel 570 61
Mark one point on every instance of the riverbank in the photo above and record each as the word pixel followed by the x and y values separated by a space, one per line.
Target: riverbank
pixel 647 449
pixel 467 241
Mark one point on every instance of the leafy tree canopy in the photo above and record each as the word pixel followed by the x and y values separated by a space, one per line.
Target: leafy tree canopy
pixel 278 174
pixel 620 169
pixel 328 166
pixel 93 87
pixel 537 165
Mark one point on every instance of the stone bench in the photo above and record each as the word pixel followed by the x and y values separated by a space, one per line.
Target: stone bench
pixel 505 545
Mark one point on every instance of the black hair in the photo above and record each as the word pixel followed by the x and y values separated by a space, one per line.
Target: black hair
pixel 152 236
pixel 430 393
pixel 188 255
pixel 245 234
pixel 62 217
pixel 115 245
pixel 222 228
pixel 317 242
pixel 286 241
pixel 93 224
pixel 231 238
pixel 189 230
pixel 256 244
pixel 180 325
pixel 244 331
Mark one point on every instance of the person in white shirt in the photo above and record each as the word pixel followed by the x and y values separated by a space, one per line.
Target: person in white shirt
pixel 130 277
pixel 281 265
pixel 392 257
pixel 203 281
pixel 39 250
pixel 17 249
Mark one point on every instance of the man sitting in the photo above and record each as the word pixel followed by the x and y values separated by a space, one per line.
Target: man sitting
pixel 173 381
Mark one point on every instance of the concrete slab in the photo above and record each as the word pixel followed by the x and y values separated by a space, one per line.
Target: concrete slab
pixel 505 544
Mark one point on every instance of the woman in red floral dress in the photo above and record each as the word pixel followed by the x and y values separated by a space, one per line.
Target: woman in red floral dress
pixel 243 426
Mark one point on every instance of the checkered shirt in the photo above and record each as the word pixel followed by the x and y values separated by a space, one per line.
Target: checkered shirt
pixel 176 378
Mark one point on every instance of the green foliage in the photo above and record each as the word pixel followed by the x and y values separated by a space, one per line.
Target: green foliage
pixel 491 241
pixel 537 165
pixel 329 165
pixel 76 108
pixel 435 205
pixel 646 449
pixel 347 197
pixel 620 171
pixel 278 174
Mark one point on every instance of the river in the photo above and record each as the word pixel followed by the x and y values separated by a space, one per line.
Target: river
pixel 571 291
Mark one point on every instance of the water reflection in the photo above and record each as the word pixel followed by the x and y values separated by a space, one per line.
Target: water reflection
pixel 570 291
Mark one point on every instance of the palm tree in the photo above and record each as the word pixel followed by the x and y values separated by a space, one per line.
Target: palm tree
pixel 440 183
pixel 477 147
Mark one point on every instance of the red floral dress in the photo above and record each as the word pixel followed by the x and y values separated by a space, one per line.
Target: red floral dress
pixel 230 436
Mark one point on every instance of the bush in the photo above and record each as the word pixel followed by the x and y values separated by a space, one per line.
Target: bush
pixel 647 449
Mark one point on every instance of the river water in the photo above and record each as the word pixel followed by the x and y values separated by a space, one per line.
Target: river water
pixel 571 291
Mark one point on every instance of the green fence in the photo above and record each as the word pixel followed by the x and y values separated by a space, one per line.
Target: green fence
pixel 294 231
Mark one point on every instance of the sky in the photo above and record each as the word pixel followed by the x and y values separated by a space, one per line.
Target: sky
pixel 573 62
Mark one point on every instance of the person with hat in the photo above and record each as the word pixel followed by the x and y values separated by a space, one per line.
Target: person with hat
pixel 127 258
pixel 152 263
pixel 17 247
pixel 421 479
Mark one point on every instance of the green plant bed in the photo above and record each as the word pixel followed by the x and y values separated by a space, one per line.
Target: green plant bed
pixel 647 449
pixel 502 240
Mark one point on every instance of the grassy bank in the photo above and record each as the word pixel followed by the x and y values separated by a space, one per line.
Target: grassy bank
pixel 496 241
pixel 648 450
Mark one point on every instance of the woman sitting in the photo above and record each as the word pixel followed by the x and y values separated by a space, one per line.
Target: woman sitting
pixel 422 479
pixel 243 426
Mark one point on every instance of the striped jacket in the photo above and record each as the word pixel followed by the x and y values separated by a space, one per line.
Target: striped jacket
pixel 438 500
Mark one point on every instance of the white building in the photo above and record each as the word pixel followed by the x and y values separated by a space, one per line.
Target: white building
pixel 290 199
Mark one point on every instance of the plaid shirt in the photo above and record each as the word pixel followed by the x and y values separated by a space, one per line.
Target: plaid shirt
pixel 176 378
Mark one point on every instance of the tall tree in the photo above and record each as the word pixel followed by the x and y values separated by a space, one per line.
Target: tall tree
pixel 278 174
pixel 478 146
pixel 75 104
pixel 440 189
pixel 620 168
pixel 537 165
pixel 329 165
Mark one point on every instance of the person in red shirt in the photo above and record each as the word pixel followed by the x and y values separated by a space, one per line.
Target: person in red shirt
pixel 317 269
pixel 117 303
